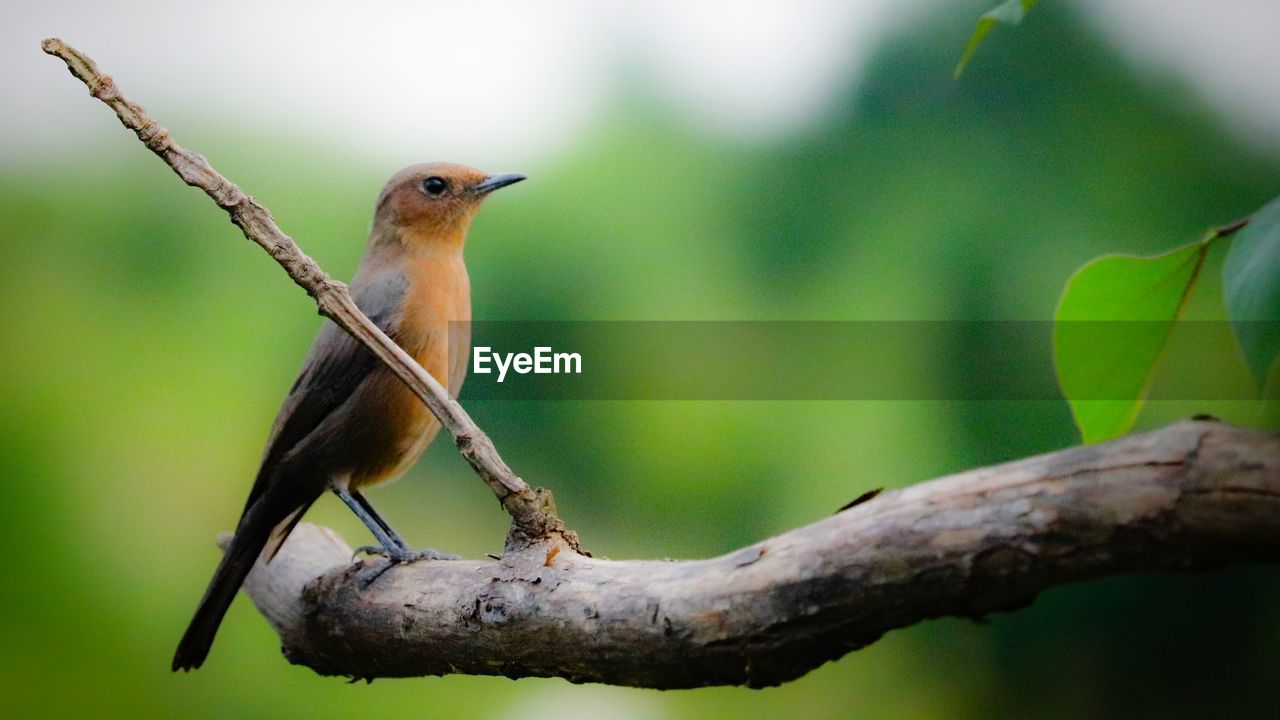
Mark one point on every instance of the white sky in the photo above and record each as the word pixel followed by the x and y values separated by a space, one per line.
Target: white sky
pixel 1227 50
pixel 509 83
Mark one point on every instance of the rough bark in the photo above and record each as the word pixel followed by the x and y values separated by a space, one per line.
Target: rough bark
pixel 1193 496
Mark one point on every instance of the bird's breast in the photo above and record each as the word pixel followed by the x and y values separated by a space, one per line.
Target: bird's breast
pixel 435 329
pixel 436 325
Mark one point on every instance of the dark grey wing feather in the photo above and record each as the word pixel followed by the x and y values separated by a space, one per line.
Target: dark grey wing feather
pixel 333 371
pixel 334 368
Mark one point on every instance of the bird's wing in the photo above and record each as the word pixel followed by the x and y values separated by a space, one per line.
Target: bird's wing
pixel 334 368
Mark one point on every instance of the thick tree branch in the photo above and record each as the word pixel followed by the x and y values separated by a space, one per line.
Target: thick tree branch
pixel 1192 496
pixel 532 511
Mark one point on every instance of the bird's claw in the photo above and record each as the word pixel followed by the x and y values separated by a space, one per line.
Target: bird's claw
pixel 368 550
pixel 405 555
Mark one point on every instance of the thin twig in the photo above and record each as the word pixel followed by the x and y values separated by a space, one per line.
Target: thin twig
pixel 532 512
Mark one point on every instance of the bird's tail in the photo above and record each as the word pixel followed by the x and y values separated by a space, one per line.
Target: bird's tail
pixel 251 536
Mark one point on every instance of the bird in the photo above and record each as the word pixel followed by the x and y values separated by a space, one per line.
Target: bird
pixel 348 422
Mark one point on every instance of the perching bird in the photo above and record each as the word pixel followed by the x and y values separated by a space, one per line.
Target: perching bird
pixel 348 422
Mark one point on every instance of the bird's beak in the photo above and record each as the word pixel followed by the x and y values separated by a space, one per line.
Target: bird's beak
pixel 493 182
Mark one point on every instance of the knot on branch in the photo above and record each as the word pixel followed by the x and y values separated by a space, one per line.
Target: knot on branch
pixel 154 136
pixel 225 193
pixel 331 296
pixel 104 89
pixel 535 521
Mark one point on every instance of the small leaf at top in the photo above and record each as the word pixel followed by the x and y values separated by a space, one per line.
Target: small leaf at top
pixel 1251 289
pixel 1009 12
pixel 1111 324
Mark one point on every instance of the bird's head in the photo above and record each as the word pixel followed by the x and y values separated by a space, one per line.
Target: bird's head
pixel 436 200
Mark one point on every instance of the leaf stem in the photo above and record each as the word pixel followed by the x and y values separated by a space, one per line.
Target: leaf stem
pixel 1229 229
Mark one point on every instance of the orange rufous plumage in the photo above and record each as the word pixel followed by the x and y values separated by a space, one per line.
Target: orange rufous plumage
pixel 348 422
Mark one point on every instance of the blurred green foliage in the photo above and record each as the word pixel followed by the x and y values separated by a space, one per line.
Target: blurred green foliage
pixel 148 346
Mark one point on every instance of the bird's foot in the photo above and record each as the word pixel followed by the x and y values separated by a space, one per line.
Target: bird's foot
pixel 403 555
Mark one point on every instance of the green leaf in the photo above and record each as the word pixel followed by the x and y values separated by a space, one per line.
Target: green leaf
pixel 1111 324
pixel 1251 288
pixel 1009 12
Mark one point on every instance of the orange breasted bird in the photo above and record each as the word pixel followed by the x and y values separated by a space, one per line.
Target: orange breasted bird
pixel 348 423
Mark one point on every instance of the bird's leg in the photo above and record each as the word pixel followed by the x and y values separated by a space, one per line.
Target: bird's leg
pixel 364 503
pixel 391 542
pixel 392 545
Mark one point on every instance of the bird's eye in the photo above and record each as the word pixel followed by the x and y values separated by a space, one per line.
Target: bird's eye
pixel 435 186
